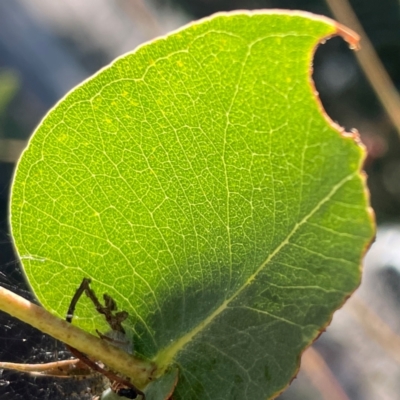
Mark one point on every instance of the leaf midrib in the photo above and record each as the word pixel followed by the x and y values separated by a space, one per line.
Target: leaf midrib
pixel 165 357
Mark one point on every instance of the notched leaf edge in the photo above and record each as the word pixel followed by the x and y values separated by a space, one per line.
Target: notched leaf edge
pixel 353 39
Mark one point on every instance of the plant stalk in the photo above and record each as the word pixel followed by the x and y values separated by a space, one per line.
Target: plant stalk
pixel 140 372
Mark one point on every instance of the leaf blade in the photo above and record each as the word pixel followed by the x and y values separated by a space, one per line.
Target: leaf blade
pixel 194 166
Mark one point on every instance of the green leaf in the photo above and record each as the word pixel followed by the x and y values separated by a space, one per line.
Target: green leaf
pixel 197 182
pixel 162 388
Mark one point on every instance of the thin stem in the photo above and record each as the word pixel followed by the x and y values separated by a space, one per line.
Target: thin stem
pixel 60 369
pixel 139 371
pixel 375 326
pixel 369 61
pixel 321 376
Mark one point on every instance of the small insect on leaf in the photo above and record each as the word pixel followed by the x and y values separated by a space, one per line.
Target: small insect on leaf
pixel 118 385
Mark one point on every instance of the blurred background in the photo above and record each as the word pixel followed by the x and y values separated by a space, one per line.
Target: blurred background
pixel 48 47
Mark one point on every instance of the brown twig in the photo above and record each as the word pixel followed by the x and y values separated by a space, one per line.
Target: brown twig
pixel 59 369
pixel 369 61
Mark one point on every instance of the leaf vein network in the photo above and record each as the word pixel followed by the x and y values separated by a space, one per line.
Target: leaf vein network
pixel 180 343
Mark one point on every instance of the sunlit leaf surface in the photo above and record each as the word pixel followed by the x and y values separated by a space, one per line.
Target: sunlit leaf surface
pixel 196 181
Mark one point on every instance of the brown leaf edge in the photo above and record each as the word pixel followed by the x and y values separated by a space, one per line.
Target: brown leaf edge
pixel 353 39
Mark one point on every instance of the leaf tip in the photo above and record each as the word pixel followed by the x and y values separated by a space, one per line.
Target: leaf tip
pixel 351 37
